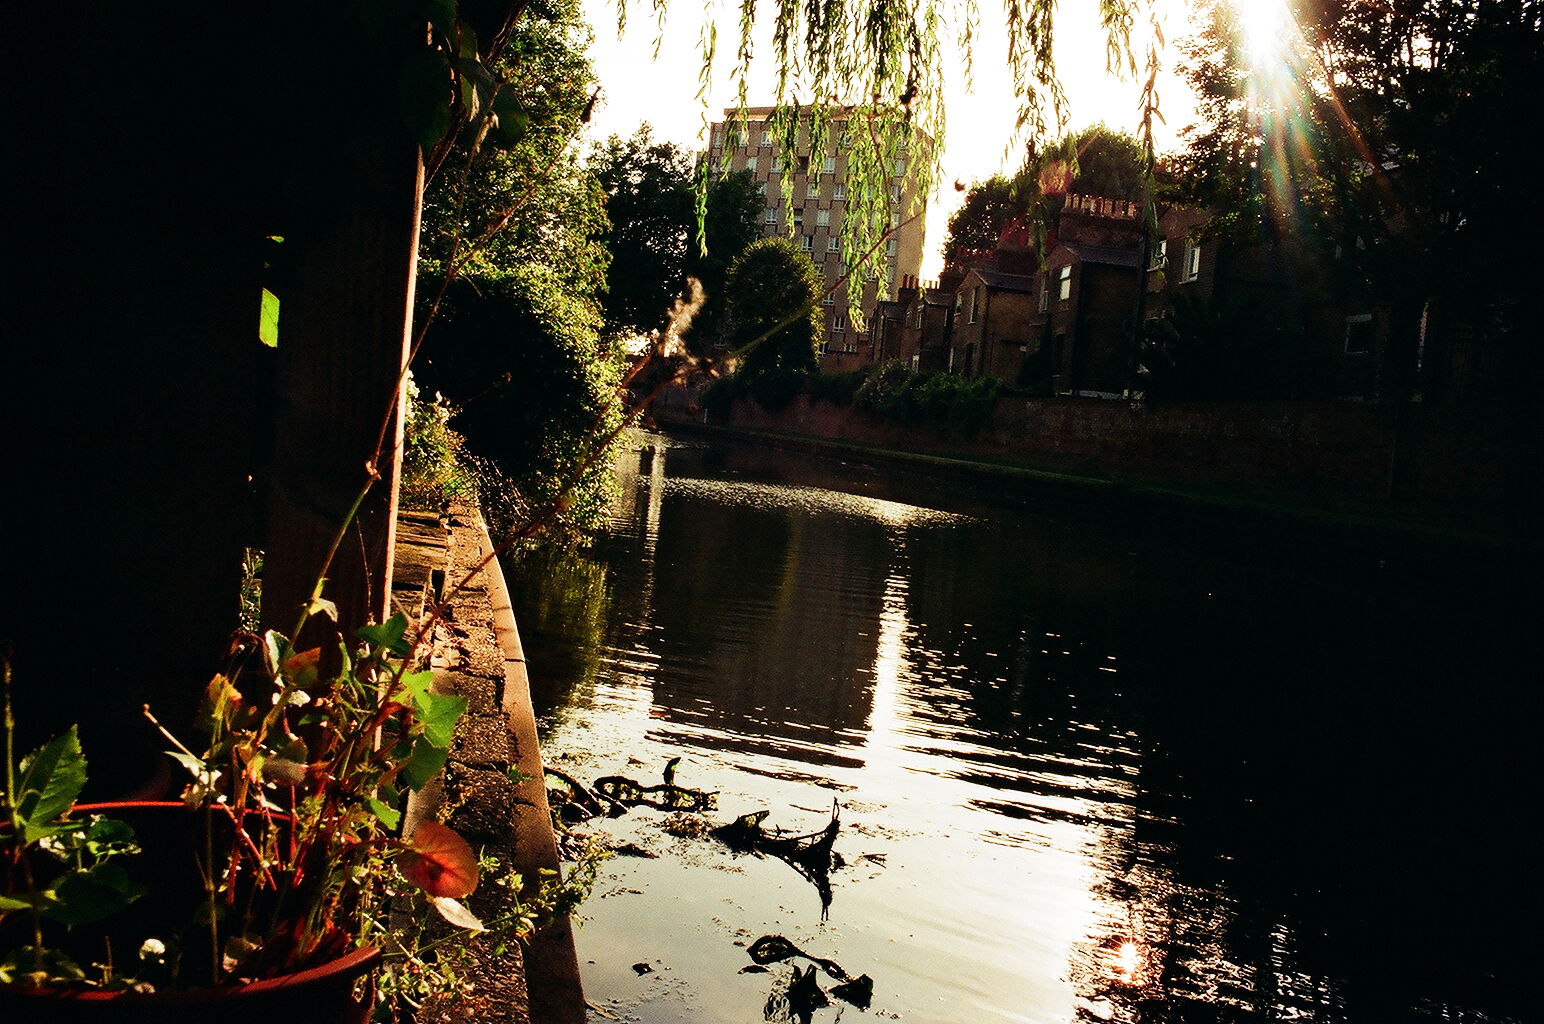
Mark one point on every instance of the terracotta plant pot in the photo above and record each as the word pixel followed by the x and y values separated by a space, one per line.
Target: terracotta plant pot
pixel 324 994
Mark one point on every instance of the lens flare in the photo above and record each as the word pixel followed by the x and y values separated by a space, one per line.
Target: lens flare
pixel 1265 27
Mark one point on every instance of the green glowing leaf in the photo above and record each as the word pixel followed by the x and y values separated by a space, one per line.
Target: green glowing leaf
pixel 51 780
pixel 386 814
pixel 268 320
pixel 424 763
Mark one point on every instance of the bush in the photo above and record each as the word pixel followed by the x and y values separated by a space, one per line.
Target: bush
pixel 895 392
pixel 432 469
pixel 719 395
pixel 775 389
pixel 837 388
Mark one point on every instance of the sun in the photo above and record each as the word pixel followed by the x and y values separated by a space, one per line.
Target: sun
pixel 1265 27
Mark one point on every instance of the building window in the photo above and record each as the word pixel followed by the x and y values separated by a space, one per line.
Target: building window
pixel 839 192
pixel 838 324
pixel 1064 283
pixel 890 247
pixel 812 190
pixel 1359 331
pixel 766 137
pixel 897 168
pixel 828 300
pixel 1160 255
pixel 761 189
pixel 843 139
pixel 718 137
pixel 822 218
pixel 895 193
pixel 798 218
pixel 895 220
pixel 770 216
pixel 807 242
pixel 1192 262
pixel 777 165
pixel 804 165
pixel 833 244
pixel 828 165
pixel 750 163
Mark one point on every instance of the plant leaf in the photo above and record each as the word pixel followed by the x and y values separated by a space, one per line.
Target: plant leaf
pixel 268 320
pixel 438 861
pixel 441 14
pixel 90 895
pixel 322 606
pixel 439 715
pixel 389 634
pixel 424 763
pixel 51 780
pixel 457 913
pixel 423 94
pixel 387 814
pixel 301 669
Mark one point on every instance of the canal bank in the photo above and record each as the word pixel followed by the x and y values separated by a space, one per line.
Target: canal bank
pixel 493 780
pixel 1442 539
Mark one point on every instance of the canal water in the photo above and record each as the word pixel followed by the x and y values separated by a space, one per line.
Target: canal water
pixel 1083 772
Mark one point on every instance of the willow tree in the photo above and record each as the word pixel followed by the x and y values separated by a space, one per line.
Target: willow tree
pixel 873 70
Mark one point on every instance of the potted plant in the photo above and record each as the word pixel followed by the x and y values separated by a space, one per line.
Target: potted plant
pixel 278 882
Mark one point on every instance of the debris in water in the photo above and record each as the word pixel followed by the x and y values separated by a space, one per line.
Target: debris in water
pixel 642 969
pixel 773 949
pixel 619 789
pixel 859 991
pixel 810 854
pixel 799 1001
pixel 633 850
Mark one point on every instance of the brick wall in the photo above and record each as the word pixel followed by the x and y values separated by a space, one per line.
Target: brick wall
pixel 1440 456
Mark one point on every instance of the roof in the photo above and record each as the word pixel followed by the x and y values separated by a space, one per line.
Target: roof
pixel 1005 282
pixel 1103 254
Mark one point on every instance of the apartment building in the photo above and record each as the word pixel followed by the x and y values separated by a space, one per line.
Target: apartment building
pixel 814 218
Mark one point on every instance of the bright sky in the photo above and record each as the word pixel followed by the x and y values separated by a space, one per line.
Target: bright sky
pixel 636 88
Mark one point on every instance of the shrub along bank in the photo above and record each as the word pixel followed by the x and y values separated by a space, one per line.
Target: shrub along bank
pixel 890 392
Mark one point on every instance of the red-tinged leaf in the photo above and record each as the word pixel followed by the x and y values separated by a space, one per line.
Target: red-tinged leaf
pixel 300 669
pixel 438 861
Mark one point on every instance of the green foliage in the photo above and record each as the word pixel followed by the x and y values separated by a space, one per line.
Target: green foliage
pixel 719 396
pixel 79 883
pixel 896 392
pixel 1096 161
pixel 432 470
pixel 775 317
pixel 1381 142
pixel 837 388
pixel 652 213
pixel 776 388
pixel 650 218
pixel 514 346
pixel 1222 349
pixel 988 206
pixel 540 389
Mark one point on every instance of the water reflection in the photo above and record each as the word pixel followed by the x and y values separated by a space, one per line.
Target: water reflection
pixel 1102 778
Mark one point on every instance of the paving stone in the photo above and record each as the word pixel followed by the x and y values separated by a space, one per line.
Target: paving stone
pixel 484 742
pixel 485 805
pixel 482 695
